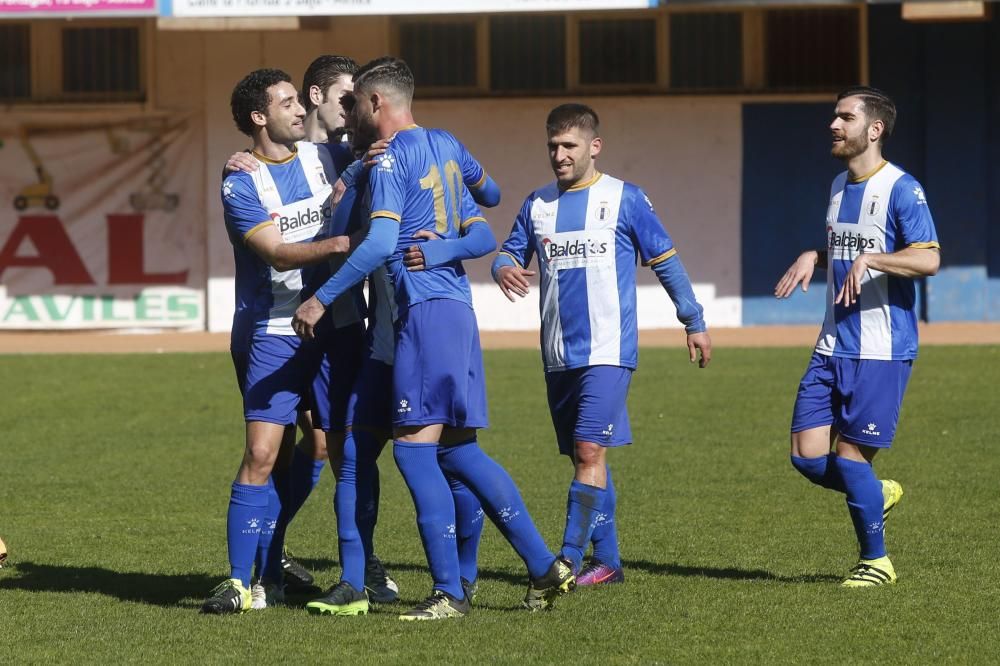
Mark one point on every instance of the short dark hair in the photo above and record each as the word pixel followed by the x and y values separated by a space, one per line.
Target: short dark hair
pixel 877 105
pixel 569 116
pixel 251 95
pixel 388 72
pixel 324 72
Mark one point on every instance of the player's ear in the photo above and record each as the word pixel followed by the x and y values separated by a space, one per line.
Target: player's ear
pixel 376 100
pixel 875 130
pixel 315 95
pixel 258 118
pixel 595 147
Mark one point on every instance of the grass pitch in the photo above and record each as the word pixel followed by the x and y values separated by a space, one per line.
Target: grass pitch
pixel 115 473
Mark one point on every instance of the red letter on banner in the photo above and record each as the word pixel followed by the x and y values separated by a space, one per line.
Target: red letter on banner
pixel 126 257
pixel 55 250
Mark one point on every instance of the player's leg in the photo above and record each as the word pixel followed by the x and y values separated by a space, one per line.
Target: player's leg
pixel 872 395
pixel 269 405
pixel 469 519
pixel 422 392
pixel 812 417
pixel 605 565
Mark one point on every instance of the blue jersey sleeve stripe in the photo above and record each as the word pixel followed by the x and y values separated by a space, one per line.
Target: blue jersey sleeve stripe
pixel 932 245
pixel 513 258
pixel 472 220
pixel 384 213
pixel 255 229
pixel 663 257
pixel 479 183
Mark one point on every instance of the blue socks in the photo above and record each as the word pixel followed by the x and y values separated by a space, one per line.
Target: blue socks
pixel 501 499
pixel 368 449
pixel 247 506
pixel 295 483
pixel 605 535
pixel 864 501
pixel 346 504
pixel 469 518
pixel 267 530
pixel 821 470
pixel 582 507
pixel 418 463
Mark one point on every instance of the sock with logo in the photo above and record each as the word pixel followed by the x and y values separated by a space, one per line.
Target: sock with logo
pixel 267 527
pixel 346 505
pixel 605 535
pixel 582 506
pixel 864 501
pixel 469 519
pixel 247 505
pixel 501 500
pixel 435 508
pixel 821 470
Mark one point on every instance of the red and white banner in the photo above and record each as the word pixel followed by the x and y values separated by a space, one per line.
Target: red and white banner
pixel 60 8
pixel 100 223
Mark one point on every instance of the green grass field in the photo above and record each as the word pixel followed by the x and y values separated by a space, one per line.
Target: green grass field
pixel 115 473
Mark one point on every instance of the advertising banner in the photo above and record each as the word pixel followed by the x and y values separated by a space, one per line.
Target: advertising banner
pixel 100 223
pixel 59 8
pixel 244 8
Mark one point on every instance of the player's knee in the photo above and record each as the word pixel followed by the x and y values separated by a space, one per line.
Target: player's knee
pixel 589 455
pixel 813 469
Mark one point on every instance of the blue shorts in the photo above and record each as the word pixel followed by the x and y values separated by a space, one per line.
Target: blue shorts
pixel 588 405
pixel 860 398
pixel 343 351
pixel 370 405
pixel 282 373
pixel 438 372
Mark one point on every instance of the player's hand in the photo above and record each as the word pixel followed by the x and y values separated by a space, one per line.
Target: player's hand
pixel 339 244
pixel 306 317
pixel 338 192
pixel 850 291
pixel 514 280
pixel 376 149
pixel 700 342
pixel 413 258
pixel 242 161
pixel 801 271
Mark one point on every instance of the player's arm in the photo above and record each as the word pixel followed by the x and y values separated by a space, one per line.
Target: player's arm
pixel 801 271
pixel 509 267
pixel 657 251
pixel 921 256
pixel 253 223
pixel 475 240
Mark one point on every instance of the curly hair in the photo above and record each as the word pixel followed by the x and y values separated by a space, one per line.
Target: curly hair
pixel 251 95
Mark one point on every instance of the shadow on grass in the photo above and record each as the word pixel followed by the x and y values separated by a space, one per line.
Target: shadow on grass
pixel 154 589
pixel 725 573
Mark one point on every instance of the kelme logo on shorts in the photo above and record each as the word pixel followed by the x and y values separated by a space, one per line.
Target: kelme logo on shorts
pixel 404 406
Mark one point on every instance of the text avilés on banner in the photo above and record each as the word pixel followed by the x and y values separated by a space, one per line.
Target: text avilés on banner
pixel 99 223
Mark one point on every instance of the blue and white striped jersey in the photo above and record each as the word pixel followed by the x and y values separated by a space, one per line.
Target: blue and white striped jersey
pixel 588 240
pixel 293 195
pixel 885 212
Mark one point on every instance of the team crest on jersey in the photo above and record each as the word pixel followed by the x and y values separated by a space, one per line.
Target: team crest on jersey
pixel 603 211
pixel 386 162
pixel 321 173
pixel 873 206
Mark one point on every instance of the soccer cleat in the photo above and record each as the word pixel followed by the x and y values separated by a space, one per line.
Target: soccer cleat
pixel 296 575
pixel 439 606
pixel 342 599
pixel 599 573
pixel 227 598
pixel 381 588
pixel 266 595
pixel 892 492
pixel 543 591
pixel 470 589
pixel 871 573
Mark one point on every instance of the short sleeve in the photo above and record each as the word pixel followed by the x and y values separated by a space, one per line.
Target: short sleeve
pixel 912 215
pixel 241 206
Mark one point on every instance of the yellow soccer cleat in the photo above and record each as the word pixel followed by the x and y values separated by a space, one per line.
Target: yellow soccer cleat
pixel 892 492
pixel 871 573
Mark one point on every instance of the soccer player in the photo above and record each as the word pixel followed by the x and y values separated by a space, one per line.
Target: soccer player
pixel 370 410
pixel 439 396
pixel 880 237
pixel 298 470
pixel 587 230
pixel 278 220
